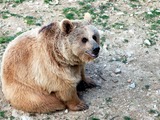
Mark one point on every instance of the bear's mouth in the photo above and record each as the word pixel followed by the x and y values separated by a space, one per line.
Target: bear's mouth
pixel 91 54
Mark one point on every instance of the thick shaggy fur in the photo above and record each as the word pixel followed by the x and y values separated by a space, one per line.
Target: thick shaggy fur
pixel 42 67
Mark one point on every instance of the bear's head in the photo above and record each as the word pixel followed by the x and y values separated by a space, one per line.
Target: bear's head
pixel 78 40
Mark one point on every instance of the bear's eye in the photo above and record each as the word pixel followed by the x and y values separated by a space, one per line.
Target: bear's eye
pixel 94 37
pixel 84 40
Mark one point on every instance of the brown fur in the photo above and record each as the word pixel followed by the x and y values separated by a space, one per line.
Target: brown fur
pixel 42 67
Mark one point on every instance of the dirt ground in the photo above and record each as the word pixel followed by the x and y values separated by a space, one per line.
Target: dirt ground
pixel 127 70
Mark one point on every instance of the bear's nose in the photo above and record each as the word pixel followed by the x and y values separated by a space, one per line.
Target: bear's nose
pixel 96 50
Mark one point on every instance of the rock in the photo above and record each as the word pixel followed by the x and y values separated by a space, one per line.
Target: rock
pixel 117 71
pixel 15 113
pixel 133 85
pixel 129 81
pixel 19 29
pixel 101 32
pixel 115 80
pixel 147 42
pixel 66 111
pixel 129 54
pixel 120 13
pixel 24 117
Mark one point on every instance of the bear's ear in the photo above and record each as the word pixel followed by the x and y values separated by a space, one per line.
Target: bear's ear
pixel 66 26
pixel 87 17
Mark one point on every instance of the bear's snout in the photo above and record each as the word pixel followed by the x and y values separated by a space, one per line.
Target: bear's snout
pixel 96 50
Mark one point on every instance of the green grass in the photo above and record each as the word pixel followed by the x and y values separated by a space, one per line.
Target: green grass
pixel 2 114
pixel 94 118
pixel 99 17
pixel 47 1
pixel 134 0
pixel 108 100
pixel 6 14
pixel 134 5
pixel 119 25
pixel 153 19
pixel 6 39
pixel 30 20
pixel 152 111
pixel 12 1
pixel 127 118
pixel 152 14
pixel 147 87
pixel 125 41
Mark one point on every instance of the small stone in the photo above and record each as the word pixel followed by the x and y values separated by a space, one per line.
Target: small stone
pixel 120 13
pixel 24 117
pixel 115 81
pixel 133 85
pixel 117 71
pixel 66 111
pixel 113 59
pixel 19 29
pixel 101 32
pixel 147 42
pixel 129 81
pixel 15 113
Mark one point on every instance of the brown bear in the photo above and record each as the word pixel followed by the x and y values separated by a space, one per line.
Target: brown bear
pixel 42 67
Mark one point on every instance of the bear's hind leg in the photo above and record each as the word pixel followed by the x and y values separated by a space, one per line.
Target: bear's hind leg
pixel 29 100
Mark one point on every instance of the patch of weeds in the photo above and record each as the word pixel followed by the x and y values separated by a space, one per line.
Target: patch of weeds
pixel 11 1
pixel 70 16
pixel 152 18
pixel 106 116
pixel 108 100
pixel 127 118
pixel 152 14
pixel 125 41
pixel 147 87
pixel 6 14
pixel 12 118
pixel 19 1
pixel 99 16
pixel 152 41
pixel 30 20
pixel 90 0
pixel 151 111
pixel 152 38
pixel 6 39
pixel 70 12
pixel 102 41
pixel 2 114
pixel 155 26
pixel 122 59
pixel 47 1
pixel 94 118
pixel 116 9
pixel 134 5
pixel 134 0
pixel 104 6
pixel 119 25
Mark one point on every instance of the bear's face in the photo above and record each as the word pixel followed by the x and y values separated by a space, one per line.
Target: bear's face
pixel 72 42
pixel 83 38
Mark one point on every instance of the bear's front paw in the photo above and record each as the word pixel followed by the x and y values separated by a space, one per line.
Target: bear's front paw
pixel 79 107
pixel 84 84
